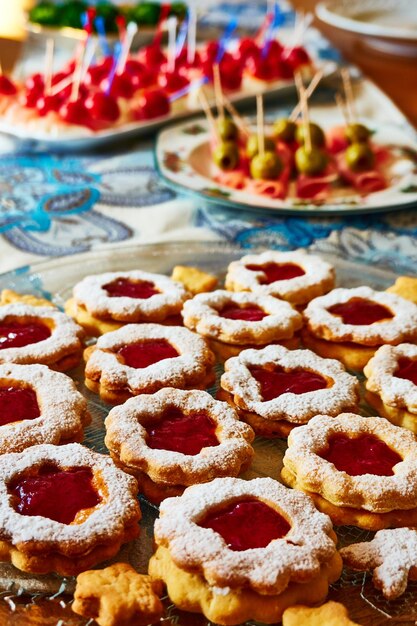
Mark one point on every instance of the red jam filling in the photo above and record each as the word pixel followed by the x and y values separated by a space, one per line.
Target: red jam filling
pixel 147 353
pixel 120 287
pixel 407 368
pixel 188 434
pixel 54 493
pixel 276 382
pixel 365 454
pixel 17 404
pixel 274 272
pixel 247 524
pixel 15 335
pixel 360 312
pixel 250 313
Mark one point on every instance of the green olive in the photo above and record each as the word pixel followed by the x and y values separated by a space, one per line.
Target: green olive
pixel 316 134
pixel 266 166
pixel 227 129
pixel 357 133
pixel 284 130
pixel 310 162
pixel 252 146
pixel 359 157
pixel 226 155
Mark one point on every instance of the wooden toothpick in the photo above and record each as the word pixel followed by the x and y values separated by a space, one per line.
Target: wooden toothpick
pixel 260 123
pixel 49 61
pixel 236 117
pixel 208 113
pixel 308 92
pixel 350 100
pixel 341 105
pixel 218 91
pixel 304 110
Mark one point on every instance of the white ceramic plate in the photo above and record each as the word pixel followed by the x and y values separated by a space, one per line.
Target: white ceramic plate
pixel 391 25
pixel 78 138
pixel 183 158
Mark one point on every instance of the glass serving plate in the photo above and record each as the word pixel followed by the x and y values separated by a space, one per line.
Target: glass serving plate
pixel 27 599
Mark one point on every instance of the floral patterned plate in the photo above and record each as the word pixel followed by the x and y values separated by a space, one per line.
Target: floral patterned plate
pixel 183 158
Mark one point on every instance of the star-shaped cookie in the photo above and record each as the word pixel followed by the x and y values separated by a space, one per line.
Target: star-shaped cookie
pixel 118 596
pixel 392 555
pixel 330 614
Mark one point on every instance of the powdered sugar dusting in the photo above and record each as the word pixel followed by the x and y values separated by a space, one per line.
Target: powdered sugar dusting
pixel 109 518
pixel 401 327
pixel 297 556
pixel 380 371
pixel 378 494
pixel 202 314
pixel 65 338
pixel 63 410
pixel 317 279
pixel 126 436
pixel 298 409
pixel 90 293
pixel 391 554
pixel 193 361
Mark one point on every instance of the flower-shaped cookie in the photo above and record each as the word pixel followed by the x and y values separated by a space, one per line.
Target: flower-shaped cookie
pixel 64 508
pixel 241 318
pixel 392 383
pixel 143 358
pixel 329 614
pixel 38 405
pixel 34 334
pixel 134 296
pixel 174 438
pixel 360 470
pixel 118 595
pixel 294 276
pixel 275 389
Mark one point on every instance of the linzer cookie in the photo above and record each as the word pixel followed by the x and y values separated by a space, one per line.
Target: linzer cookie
pixel 351 324
pixel 104 302
pixel 392 555
pixel 275 389
pixel 294 276
pixel 232 322
pixel 38 405
pixel 34 334
pixel 174 438
pixel 64 508
pixel 143 358
pixel 236 550
pixel 362 471
pixel 392 384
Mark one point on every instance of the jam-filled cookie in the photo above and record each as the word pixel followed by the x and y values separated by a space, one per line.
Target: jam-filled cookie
pixel 64 508
pixel 294 276
pixel 232 322
pixel 38 405
pixel 173 438
pixel 392 384
pixel 236 550
pixel 105 302
pixel 362 471
pixel 143 358
pixel 351 324
pixel 275 389
pixel 35 334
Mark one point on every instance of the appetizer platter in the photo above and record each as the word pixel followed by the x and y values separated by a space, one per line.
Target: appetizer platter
pixel 100 96
pixel 335 164
pixel 141 274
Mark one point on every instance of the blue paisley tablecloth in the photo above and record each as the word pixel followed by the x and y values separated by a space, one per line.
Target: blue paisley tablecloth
pixel 53 205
